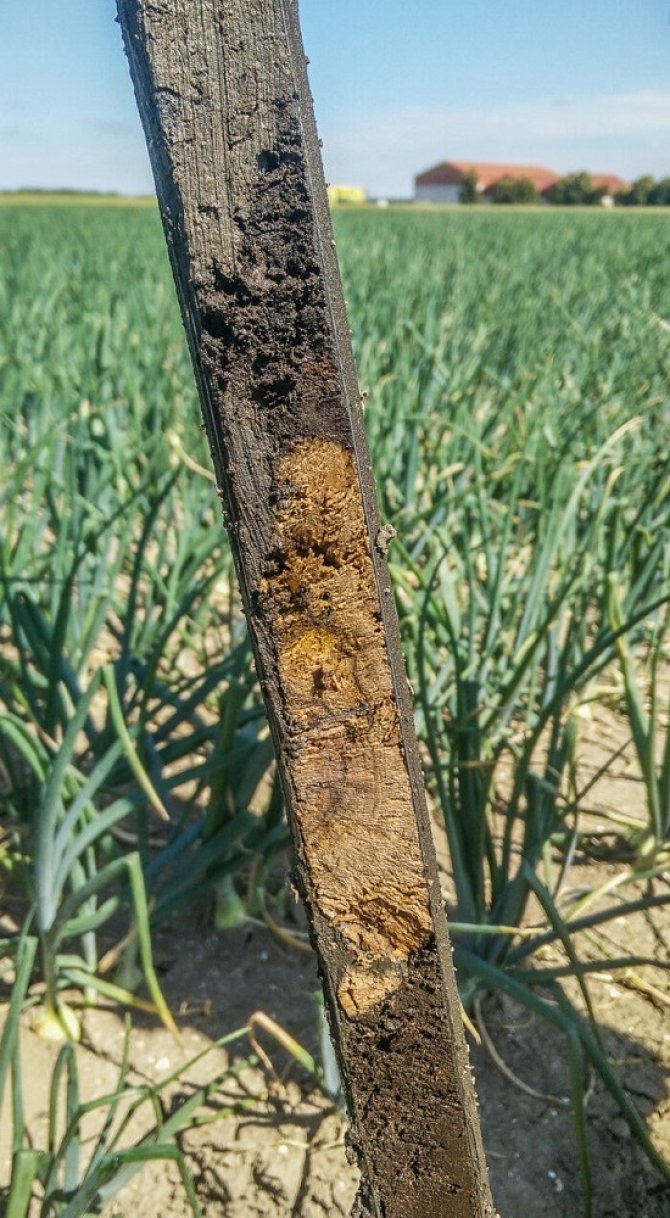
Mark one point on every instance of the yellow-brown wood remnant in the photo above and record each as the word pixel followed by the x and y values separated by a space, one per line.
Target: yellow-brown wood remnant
pixel 348 769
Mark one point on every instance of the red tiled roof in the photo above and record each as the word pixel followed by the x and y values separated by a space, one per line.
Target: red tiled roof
pixel 451 173
pixel 610 181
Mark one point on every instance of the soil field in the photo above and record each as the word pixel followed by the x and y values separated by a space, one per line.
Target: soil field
pixel 283 1152
pixel 284 1155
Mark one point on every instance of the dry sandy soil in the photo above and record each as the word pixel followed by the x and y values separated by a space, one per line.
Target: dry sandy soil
pixel 283 1154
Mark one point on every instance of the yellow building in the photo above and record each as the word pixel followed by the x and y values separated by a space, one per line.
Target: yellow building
pixel 346 194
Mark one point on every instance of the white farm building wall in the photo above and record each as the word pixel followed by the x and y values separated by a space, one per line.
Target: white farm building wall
pixel 436 194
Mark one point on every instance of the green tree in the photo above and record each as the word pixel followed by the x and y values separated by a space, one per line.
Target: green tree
pixel 514 190
pixel 468 191
pixel 575 189
pixel 659 195
pixel 638 192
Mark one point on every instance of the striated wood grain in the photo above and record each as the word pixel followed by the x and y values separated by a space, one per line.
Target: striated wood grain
pixel 222 89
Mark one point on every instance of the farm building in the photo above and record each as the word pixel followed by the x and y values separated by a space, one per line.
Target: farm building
pixel 442 183
pixel 611 183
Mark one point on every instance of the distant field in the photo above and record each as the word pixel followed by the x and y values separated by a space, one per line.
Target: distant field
pixel 27 198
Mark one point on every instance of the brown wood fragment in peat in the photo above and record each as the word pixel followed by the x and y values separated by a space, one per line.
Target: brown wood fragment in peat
pixel 223 94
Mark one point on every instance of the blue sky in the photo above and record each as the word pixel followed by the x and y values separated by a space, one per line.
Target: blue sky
pixel 398 86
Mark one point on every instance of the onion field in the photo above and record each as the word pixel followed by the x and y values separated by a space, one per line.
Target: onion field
pixel 516 368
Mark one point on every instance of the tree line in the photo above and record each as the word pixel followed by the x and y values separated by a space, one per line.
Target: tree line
pixel 574 189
